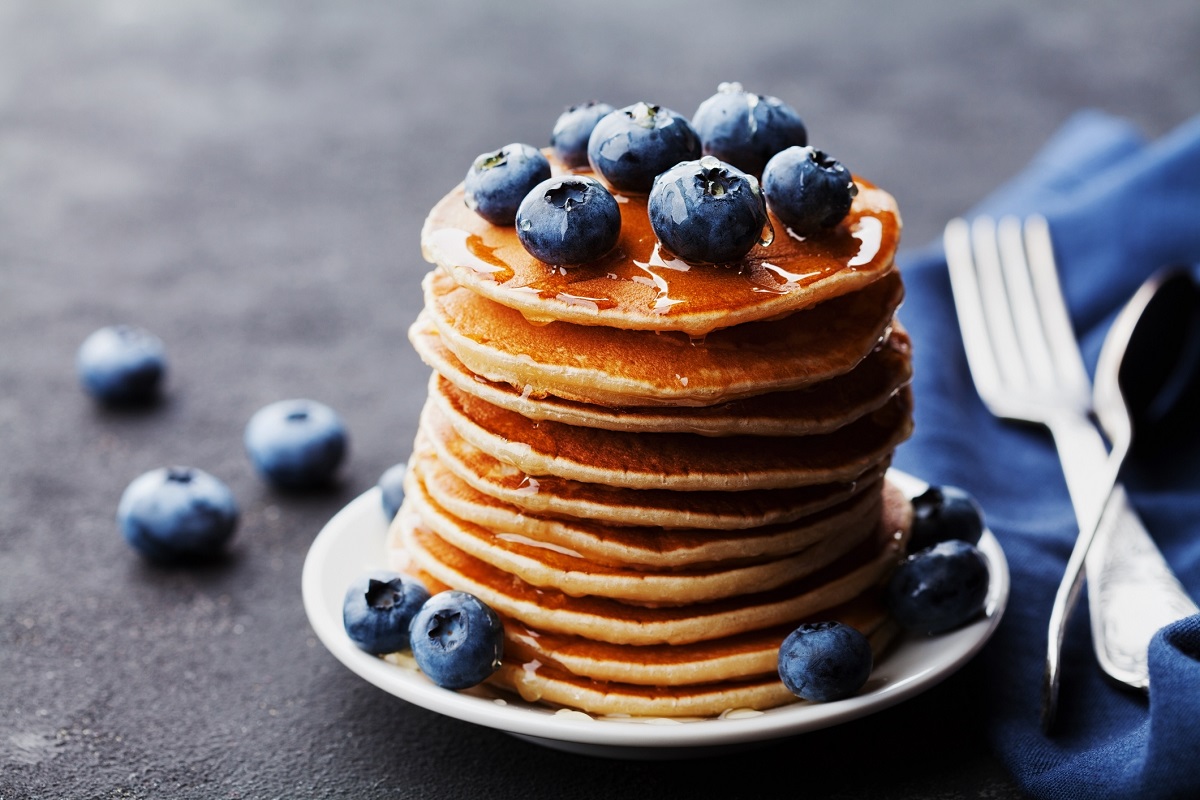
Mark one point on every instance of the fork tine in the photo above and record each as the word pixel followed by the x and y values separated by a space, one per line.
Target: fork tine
pixel 1023 303
pixel 997 308
pixel 1063 346
pixel 968 302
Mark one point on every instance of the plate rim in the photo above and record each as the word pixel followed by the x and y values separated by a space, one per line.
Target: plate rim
pixel 363 517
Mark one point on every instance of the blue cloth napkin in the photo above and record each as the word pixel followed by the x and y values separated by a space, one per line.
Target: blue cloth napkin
pixel 1119 208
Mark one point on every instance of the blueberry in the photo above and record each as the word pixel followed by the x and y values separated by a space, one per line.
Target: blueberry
pixel 571 132
pixel 632 145
pixel 391 486
pixel 457 640
pixel 378 611
pixel 823 661
pixel 176 514
pixel 568 220
pixel 707 211
pixel 939 588
pixel 746 129
pixel 497 181
pixel 807 189
pixel 296 444
pixel 121 365
pixel 941 513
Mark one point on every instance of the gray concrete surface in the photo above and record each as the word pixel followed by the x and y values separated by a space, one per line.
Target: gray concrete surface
pixel 248 180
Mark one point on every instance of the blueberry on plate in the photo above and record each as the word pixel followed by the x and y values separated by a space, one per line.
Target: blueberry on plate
pixel 939 588
pixel 498 180
pixel 632 145
pixel 824 661
pixel 176 514
pixel 121 365
pixel 571 219
pixel 707 212
pixel 572 129
pixel 457 640
pixel 296 444
pixel 391 487
pixel 746 129
pixel 807 190
pixel 941 513
pixel 378 611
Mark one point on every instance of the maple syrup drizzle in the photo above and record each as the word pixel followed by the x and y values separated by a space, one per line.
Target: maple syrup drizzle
pixel 641 277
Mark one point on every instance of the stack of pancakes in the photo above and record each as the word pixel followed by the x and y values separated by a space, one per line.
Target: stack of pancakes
pixel 654 471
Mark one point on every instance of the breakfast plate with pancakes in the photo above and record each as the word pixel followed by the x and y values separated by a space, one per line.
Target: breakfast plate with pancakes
pixel 356 541
pixel 653 465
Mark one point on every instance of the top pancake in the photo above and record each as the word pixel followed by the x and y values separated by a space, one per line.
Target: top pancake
pixel 640 286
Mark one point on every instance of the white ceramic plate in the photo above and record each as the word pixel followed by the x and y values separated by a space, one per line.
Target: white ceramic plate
pixel 353 543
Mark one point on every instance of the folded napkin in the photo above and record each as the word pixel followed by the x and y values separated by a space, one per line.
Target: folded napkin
pixel 1119 208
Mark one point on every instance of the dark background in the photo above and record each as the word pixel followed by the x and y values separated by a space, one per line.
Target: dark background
pixel 248 181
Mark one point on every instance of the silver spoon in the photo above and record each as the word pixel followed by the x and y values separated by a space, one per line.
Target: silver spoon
pixel 1146 364
pixel 1154 375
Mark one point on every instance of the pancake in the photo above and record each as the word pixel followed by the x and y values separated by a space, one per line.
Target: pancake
pixel 549 685
pixel 649 547
pixel 819 408
pixel 732 658
pixel 559 497
pixel 613 621
pixel 610 366
pixel 676 461
pixel 558 688
pixel 639 286
pixel 548 565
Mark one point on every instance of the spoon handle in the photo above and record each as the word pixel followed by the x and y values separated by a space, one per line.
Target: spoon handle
pixel 1134 591
pixel 1126 573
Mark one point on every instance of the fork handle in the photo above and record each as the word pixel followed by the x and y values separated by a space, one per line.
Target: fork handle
pixel 1131 589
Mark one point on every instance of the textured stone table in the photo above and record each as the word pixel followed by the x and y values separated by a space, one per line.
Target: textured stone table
pixel 248 180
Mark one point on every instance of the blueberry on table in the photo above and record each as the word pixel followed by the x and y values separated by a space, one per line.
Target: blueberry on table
pixel 939 588
pixel 572 129
pixel 121 365
pixel 391 487
pixel 824 661
pixel 707 211
pixel 457 640
pixel 632 145
pixel 497 181
pixel 746 129
pixel 296 444
pixel 378 611
pixel 808 190
pixel 941 513
pixel 568 220
pixel 176 514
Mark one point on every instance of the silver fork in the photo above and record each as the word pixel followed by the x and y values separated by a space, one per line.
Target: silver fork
pixel 1026 366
